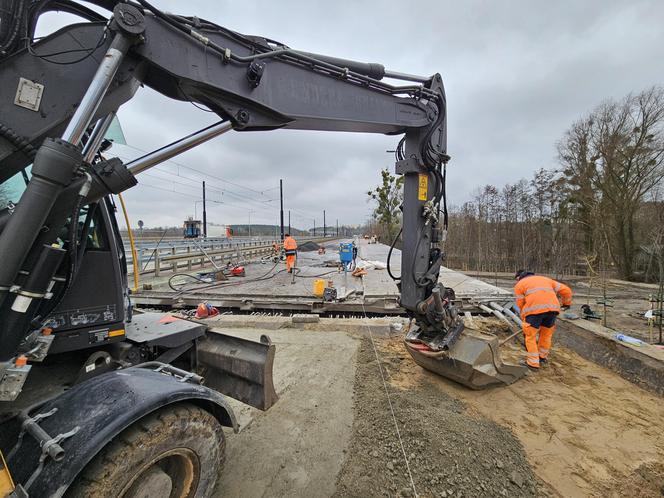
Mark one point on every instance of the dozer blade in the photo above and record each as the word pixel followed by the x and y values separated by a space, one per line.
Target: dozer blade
pixel 473 360
pixel 239 368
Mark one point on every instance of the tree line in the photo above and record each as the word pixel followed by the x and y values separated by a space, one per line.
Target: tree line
pixel 599 208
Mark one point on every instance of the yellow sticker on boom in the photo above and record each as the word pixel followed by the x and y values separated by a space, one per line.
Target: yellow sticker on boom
pixel 423 188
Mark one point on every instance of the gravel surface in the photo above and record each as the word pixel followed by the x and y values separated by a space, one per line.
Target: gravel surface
pixel 451 452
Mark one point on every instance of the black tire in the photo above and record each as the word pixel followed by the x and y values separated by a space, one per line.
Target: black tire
pixel 183 445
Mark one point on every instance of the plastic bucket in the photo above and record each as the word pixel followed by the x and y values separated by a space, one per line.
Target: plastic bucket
pixel 319 287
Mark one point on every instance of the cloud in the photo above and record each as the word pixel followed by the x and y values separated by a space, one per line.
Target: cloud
pixel 517 74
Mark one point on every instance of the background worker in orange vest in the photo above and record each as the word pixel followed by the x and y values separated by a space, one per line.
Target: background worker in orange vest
pixel 538 299
pixel 290 247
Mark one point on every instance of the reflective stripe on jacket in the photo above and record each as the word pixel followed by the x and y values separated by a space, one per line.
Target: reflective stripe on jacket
pixel 538 294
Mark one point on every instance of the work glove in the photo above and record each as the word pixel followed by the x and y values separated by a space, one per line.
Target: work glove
pixel 565 307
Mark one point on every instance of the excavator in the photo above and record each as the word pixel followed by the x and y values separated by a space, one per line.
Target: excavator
pixel 99 399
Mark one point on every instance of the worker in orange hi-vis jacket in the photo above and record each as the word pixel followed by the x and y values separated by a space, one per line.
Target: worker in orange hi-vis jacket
pixel 290 248
pixel 539 299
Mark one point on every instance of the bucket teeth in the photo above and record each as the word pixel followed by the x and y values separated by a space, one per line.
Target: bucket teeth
pixel 473 360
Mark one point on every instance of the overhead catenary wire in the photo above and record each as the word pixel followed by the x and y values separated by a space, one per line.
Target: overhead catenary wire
pixel 193 196
pixel 259 203
pixel 186 166
pixel 235 206
pixel 194 183
pixel 168 190
pixel 197 197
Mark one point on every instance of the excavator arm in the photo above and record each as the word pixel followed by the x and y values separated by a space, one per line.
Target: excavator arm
pixel 62 91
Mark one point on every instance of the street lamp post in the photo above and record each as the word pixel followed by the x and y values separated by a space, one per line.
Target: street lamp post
pixel 196 203
pixel 249 212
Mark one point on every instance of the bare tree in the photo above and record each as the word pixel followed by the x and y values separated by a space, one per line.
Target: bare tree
pixel 600 205
pixel 612 160
pixel 388 197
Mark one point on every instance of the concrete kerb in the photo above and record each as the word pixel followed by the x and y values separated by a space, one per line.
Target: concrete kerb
pixel 378 326
pixel 641 365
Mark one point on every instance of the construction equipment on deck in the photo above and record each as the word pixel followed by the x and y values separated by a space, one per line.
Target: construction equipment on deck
pixel 192 228
pixel 238 271
pixel 77 367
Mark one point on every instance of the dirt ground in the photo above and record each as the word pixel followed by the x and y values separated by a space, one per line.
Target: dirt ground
pixel 585 430
pixel 448 450
pixel 296 448
pixel 572 429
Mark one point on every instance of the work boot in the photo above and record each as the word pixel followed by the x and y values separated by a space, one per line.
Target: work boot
pixel 524 363
pixel 544 362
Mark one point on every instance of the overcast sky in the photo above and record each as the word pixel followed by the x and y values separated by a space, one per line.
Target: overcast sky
pixel 517 74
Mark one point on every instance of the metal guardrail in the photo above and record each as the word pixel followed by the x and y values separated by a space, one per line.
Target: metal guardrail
pixel 190 255
pixel 238 253
pixel 152 242
pixel 147 253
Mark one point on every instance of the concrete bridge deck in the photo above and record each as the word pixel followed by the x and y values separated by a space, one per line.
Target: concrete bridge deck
pixel 267 285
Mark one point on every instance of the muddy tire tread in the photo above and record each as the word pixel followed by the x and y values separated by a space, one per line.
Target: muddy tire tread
pixel 98 479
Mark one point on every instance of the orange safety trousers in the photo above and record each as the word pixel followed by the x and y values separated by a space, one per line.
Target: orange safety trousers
pixel 290 261
pixel 535 348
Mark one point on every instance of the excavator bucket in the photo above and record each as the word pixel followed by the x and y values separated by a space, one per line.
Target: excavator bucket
pixel 472 359
pixel 239 368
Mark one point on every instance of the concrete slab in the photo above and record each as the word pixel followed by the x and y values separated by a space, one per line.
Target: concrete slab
pixel 378 282
pixel 268 286
pixel 264 280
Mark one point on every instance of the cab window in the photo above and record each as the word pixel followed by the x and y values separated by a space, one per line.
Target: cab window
pixel 96 237
pixel 12 189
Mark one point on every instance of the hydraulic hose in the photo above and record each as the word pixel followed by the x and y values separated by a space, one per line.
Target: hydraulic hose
pixel 53 168
pixel 389 255
pixel 17 319
pixel 134 257
pixel 73 252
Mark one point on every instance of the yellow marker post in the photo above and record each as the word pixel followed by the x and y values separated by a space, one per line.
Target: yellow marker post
pixel 134 257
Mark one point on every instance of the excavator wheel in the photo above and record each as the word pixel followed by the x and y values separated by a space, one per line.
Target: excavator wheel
pixel 176 452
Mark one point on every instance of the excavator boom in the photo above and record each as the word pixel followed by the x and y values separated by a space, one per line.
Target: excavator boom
pixel 66 87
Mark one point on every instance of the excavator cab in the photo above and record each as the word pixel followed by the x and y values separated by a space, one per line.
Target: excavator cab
pixel 91 318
